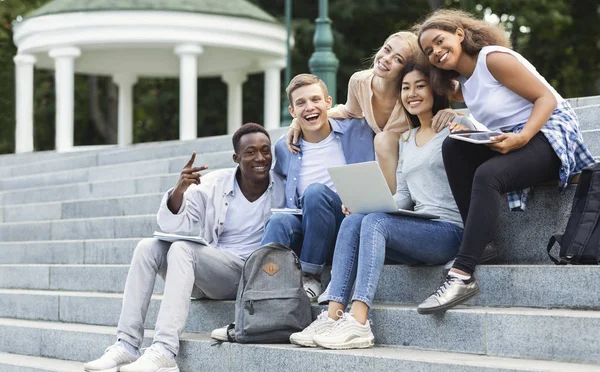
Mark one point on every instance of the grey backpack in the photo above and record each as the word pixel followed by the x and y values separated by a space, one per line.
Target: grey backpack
pixel 271 303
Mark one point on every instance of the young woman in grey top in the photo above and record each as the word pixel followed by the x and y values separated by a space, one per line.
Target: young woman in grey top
pixel 364 241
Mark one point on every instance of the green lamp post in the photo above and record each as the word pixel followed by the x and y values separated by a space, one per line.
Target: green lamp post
pixel 323 61
pixel 286 118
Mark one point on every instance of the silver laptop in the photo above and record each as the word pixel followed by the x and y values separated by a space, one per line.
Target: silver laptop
pixel 363 189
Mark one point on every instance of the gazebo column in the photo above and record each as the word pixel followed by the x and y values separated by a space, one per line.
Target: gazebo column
pixel 234 81
pixel 188 90
pixel 272 95
pixel 64 65
pixel 24 98
pixel 125 83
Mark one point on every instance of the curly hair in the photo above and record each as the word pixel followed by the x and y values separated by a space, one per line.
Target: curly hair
pixel 477 34
pixel 247 129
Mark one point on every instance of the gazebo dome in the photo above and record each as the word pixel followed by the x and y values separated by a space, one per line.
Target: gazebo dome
pixel 132 39
pixel 233 8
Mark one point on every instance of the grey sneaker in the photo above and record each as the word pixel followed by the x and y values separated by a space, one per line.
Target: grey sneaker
pixel 452 291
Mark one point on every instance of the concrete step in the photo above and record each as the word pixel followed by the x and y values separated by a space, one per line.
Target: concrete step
pixel 588 115
pixel 86 208
pixel 89 278
pixel 24 363
pixel 88 228
pixel 393 324
pixel 85 342
pixel 92 251
pixel 117 171
pixel 584 101
pixel 591 138
pixel 87 190
pixel 501 285
pixel 137 154
pixel 521 237
pixel 220 144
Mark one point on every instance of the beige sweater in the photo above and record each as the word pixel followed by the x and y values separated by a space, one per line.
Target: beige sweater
pixel 359 104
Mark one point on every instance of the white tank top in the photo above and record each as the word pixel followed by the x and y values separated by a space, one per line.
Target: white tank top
pixel 490 102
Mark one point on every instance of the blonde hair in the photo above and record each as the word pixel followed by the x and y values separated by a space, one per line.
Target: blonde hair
pixel 302 80
pixel 477 34
pixel 413 44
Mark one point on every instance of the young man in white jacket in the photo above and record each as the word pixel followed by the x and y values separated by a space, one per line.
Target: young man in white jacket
pixel 229 207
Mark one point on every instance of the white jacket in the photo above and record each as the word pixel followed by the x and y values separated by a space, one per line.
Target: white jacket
pixel 204 207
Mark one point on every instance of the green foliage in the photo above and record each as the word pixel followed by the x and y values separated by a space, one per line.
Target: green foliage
pixel 560 39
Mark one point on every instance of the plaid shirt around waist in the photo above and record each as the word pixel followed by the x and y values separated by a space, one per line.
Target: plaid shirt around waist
pixel 563 134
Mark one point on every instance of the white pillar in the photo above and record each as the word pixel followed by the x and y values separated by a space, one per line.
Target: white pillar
pixel 125 83
pixel 234 81
pixel 24 97
pixel 64 65
pixel 272 97
pixel 188 95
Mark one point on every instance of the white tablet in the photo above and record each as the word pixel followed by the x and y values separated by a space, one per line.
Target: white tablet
pixel 475 136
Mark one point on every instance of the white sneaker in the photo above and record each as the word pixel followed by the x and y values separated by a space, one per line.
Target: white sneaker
pixel 305 338
pixel 220 334
pixel 115 356
pixel 312 287
pixel 153 360
pixel 346 333
pixel 324 297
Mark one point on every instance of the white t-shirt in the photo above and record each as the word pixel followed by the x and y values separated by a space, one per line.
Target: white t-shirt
pixel 245 224
pixel 491 103
pixel 316 158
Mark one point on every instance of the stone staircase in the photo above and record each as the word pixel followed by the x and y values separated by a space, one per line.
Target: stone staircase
pixel 69 223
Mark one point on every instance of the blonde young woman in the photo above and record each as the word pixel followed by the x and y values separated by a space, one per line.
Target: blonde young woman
pixel 374 95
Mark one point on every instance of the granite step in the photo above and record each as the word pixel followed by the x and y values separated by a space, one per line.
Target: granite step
pixel 536 286
pixel 87 190
pixel 88 228
pixel 86 342
pixel 25 363
pixel 83 208
pixel 116 171
pixel 112 163
pixel 82 251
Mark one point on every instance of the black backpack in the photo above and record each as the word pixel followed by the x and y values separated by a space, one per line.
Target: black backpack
pixel 580 244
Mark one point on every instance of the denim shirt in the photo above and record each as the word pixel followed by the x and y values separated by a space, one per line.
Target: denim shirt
pixel 356 137
pixel 205 206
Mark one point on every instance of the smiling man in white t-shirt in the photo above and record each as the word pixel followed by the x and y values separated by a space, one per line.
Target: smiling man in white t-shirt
pixel 229 207
pixel 323 143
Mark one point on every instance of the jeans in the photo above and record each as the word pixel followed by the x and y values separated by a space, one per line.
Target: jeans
pixel 364 241
pixel 189 269
pixel 313 234
pixel 479 176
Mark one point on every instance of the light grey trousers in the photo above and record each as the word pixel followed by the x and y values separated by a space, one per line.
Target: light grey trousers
pixel 189 269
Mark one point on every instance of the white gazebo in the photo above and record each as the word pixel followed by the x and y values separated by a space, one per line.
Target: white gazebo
pixel 128 39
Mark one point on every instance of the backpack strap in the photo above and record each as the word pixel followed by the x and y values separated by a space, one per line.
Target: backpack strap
pixel 553 240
